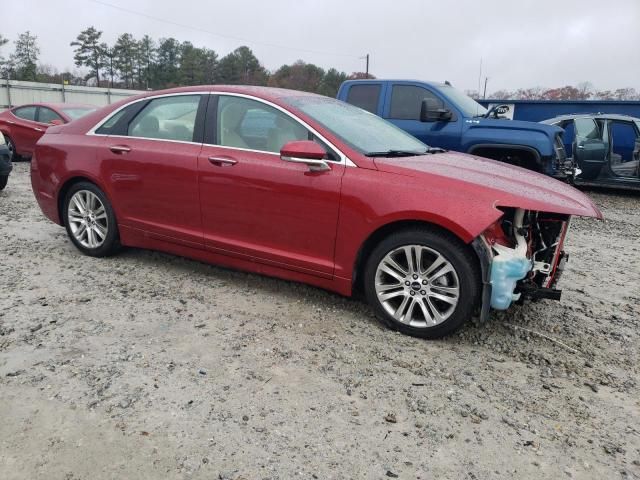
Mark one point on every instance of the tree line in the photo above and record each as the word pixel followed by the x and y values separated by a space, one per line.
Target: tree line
pixel 582 91
pixel 146 63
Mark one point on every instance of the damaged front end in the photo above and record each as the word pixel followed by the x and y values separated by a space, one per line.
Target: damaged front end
pixel 522 257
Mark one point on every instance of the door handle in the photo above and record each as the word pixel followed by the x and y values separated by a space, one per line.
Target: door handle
pixel 119 149
pixel 580 147
pixel 10 122
pixel 38 129
pixel 222 162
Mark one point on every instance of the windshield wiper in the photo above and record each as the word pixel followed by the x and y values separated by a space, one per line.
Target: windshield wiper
pixel 395 153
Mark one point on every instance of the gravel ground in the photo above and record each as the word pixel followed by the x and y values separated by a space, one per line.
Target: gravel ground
pixel 146 365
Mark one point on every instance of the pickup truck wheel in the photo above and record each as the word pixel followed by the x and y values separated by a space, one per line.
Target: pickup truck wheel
pixel 90 220
pixel 3 181
pixel 422 282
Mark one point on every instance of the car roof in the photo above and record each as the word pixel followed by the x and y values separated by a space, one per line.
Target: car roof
pixel 599 115
pixel 401 80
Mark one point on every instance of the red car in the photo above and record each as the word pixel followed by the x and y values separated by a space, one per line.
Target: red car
pixel 23 126
pixel 308 188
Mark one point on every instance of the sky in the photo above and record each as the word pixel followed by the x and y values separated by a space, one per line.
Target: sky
pixel 520 44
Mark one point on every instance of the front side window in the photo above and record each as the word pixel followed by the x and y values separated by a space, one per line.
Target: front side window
pixel 47 115
pixel 406 101
pixel 364 96
pixel 587 129
pixel 26 113
pixel 250 124
pixel 77 112
pixel 167 118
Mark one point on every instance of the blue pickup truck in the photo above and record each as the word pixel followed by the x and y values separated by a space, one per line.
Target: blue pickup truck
pixel 442 116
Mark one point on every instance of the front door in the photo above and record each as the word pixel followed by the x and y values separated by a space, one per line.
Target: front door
pixel 152 167
pixel 589 148
pixel 254 204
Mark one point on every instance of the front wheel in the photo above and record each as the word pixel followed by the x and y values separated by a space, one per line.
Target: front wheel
pixel 13 156
pixel 422 282
pixel 90 220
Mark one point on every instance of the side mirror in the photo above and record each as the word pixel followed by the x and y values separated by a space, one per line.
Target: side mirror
pixel 56 121
pixel 431 112
pixel 306 152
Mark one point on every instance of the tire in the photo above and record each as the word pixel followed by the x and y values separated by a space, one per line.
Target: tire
pixel 3 181
pixel 90 220
pixel 423 300
pixel 13 156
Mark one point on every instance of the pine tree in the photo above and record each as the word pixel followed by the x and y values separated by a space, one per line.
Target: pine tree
pixel 89 52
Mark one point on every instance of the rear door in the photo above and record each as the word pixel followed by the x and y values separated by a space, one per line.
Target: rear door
pixel 589 148
pixel 24 129
pixel 402 108
pixel 150 158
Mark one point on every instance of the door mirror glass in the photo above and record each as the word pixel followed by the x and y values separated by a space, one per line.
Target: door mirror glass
pixel 430 111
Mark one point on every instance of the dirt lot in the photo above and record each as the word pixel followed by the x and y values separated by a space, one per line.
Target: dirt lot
pixel 151 366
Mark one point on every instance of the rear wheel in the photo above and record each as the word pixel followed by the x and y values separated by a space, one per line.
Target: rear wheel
pixel 90 220
pixel 3 181
pixel 422 282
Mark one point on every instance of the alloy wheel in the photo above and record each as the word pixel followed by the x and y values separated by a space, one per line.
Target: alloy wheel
pixel 87 219
pixel 417 286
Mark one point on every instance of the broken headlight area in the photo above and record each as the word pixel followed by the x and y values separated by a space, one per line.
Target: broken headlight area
pixel 526 256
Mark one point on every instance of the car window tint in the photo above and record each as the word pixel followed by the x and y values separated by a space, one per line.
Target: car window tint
pixel 406 101
pixel 47 115
pixel 246 123
pixel 167 118
pixel 364 96
pixel 586 128
pixel 26 113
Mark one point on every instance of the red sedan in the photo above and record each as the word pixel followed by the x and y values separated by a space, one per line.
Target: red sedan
pixel 308 188
pixel 23 126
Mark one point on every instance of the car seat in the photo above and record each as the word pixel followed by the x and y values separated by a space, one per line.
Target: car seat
pixel 230 119
pixel 148 127
pixel 283 132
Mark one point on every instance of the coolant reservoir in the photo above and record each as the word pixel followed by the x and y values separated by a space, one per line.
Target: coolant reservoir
pixel 508 266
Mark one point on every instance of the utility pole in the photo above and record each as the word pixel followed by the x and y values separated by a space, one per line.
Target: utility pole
pixel 484 95
pixel 367 69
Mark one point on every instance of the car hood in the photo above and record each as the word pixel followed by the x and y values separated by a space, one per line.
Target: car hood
pixel 550 130
pixel 503 185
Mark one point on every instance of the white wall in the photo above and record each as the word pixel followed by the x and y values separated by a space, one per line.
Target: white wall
pixel 14 93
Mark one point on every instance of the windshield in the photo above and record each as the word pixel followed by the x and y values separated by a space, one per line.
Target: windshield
pixel 469 107
pixel 361 130
pixel 76 112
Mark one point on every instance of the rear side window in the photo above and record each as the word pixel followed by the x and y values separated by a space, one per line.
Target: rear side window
pixel 26 113
pixel 167 118
pixel 406 101
pixel 364 96
pixel 47 115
